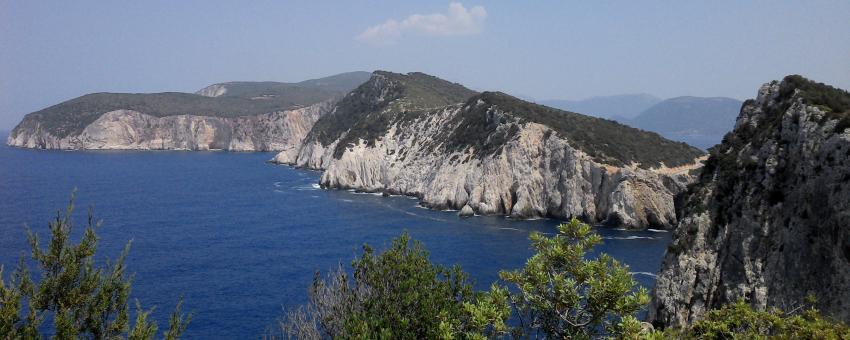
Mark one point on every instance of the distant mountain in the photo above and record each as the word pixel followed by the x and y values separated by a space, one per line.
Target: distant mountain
pixel 698 121
pixel 245 116
pixel 612 107
pixel 336 84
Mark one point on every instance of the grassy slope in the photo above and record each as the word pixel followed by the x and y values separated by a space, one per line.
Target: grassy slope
pixel 415 94
pixel 72 116
pixel 605 140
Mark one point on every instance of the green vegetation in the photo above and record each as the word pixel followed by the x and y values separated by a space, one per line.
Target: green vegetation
pixel 606 141
pixel 71 117
pixel 240 99
pixel 740 321
pixel 83 300
pixel 398 294
pixel 367 112
pixel 333 85
pixel 388 98
pixel 401 294
pixel 724 161
pixel 563 295
pixel 835 101
pixel 421 91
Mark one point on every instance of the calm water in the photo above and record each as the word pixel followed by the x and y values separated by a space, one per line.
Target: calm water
pixel 240 239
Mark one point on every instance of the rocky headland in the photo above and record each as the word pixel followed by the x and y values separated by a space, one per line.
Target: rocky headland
pixel 768 220
pixel 490 153
pixel 235 116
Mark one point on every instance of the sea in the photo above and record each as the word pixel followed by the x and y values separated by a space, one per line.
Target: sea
pixel 240 239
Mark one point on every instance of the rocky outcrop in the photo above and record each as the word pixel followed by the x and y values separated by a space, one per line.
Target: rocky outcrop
pixel 769 219
pixel 132 130
pixel 214 90
pixel 516 167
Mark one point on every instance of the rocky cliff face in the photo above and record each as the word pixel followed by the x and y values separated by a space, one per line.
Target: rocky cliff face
pixel 481 157
pixel 769 219
pixel 128 129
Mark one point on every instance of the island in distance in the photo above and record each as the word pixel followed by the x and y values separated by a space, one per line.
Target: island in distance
pixel 698 121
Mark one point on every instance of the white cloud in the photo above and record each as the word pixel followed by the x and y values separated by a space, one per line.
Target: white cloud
pixel 458 21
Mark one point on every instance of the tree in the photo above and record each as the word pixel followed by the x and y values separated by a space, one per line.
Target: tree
pixel 562 294
pixel 398 294
pixel 84 300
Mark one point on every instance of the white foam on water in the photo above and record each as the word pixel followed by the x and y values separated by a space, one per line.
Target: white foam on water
pixel 506 228
pixel 644 273
pixel 628 238
pixel 276 184
pixel 658 231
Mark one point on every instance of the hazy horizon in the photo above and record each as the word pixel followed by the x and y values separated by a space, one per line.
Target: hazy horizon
pixel 549 50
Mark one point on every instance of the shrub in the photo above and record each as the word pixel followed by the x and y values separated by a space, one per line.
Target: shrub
pixel 562 294
pixel 84 301
pixel 397 294
pixel 740 321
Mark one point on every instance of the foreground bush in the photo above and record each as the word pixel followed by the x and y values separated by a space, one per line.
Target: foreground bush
pixel 401 294
pixel 398 294
pixel 84 301
pixel 563 294
pixel 740 321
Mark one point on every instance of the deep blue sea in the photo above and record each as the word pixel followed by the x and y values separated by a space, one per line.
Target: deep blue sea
pixel 240 239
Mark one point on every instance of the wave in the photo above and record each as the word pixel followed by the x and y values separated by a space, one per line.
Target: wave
pixel 307 187
pixel 658 231
pixel 277 184
pixel 629 238
pixel 644 273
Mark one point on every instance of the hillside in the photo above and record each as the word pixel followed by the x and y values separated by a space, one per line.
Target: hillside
pixel 328 86
pixel 490 153
pixel 605 140
pixel 361 114
pixel 243 116
pixel 698 121
pixel 69 118
pixel 618 107
pixel 774 192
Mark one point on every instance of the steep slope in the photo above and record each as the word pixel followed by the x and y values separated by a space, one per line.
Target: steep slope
pixel 623 106
pixel 243 116
pixel 768 219
pixel 698 121
pixel 491 153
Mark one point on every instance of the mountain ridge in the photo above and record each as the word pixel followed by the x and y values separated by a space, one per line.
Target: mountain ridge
pixel 488 154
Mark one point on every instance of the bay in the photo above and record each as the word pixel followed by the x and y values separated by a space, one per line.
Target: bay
pixel 240 239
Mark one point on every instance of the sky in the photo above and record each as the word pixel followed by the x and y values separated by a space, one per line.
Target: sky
pixel 51 51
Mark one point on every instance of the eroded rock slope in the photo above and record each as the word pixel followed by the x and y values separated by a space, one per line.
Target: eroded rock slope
pixel 769 219
pixel 490 153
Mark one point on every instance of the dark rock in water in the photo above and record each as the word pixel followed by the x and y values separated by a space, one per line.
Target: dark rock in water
pixel 768 220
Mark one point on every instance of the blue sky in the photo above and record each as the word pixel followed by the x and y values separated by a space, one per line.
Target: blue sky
pixel 52 51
